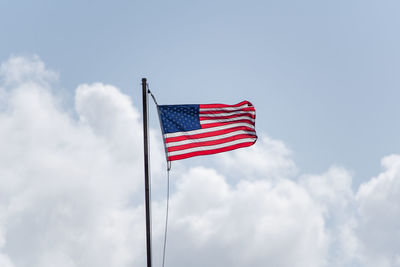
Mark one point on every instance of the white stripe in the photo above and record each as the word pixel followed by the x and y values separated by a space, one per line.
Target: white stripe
pixel 227 114
pixel 226 108
pixel 211 129
pixel 226 120
pixel 202 148
pixel 211 138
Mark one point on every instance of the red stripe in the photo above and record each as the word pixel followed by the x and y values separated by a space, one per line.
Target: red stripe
pixel 224 105
pixel 208 134
pixel 227 117
pixel 248 109
pixel 209 152
pixel 216 124
pixel 211 143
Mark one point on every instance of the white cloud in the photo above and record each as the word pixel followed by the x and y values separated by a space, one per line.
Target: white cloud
pixel 65 185
pixel 246 224
pixel 332 191
pixel 21 70
pixel 269 159
pixel 379 213
pixel 71 192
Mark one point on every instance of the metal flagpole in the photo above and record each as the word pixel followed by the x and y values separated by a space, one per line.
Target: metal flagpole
pixel 146 172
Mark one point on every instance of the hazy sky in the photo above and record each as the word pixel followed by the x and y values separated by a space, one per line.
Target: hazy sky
pixel 322 75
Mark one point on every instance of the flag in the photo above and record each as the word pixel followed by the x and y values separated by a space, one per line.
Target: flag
pixel 194 130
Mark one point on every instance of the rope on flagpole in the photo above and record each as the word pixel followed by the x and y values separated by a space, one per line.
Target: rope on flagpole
pixel 168 170
pixel 166 221
pixel 159 118
pixel 152 96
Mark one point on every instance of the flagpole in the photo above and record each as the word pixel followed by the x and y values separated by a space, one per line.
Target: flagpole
pixel 146 172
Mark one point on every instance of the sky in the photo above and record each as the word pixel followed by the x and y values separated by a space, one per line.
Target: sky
pixel 319 188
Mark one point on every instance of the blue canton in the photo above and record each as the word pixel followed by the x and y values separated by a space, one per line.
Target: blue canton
pixel 179 118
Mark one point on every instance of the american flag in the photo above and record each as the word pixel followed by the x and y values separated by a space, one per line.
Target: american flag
pixel 194 130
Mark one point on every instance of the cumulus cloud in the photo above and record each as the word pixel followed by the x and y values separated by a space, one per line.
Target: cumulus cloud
pixel 332 191
pixel 379 212
pixel 269 159
pixel 245 224
pixel 71 192
pixel 66 184
pixel 22 70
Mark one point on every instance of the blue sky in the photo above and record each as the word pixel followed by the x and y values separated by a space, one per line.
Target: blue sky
pixel 322 75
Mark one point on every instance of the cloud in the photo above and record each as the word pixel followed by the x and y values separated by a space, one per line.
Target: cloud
pixel 379 213
pixel 245 224
pixel 332 191
pixel 269 159
pixel 22 70
pixel 66 184
pixel 71 192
